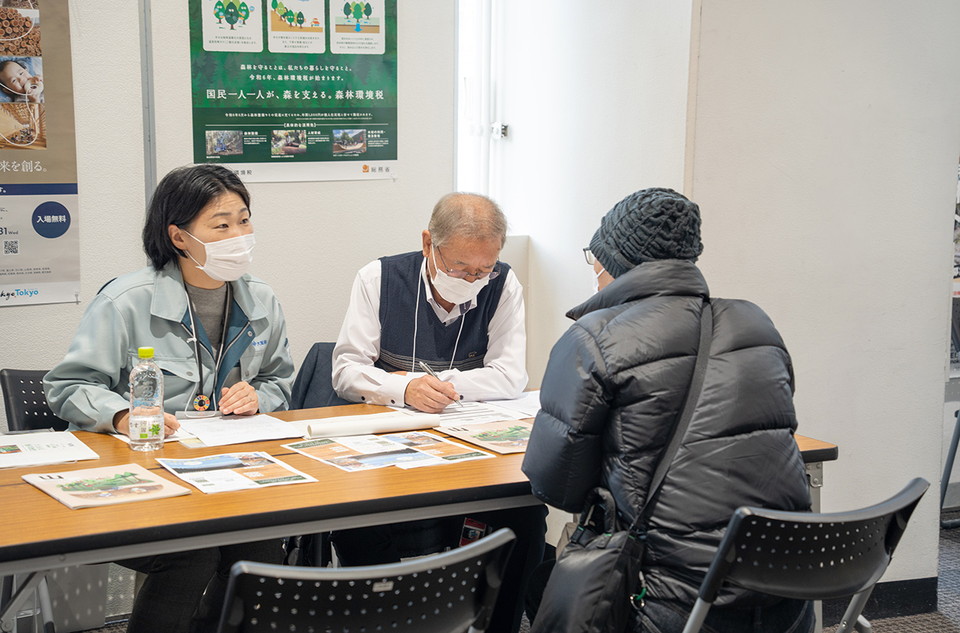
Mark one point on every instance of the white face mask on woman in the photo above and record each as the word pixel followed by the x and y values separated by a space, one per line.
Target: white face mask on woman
pixel 456 291
pixel 227 260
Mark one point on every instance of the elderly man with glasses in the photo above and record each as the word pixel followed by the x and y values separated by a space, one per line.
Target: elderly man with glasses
pixel 458 310
pixel 451 306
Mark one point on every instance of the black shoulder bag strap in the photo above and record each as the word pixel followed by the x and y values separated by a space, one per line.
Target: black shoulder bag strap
pixel 603 496
pixel 680 430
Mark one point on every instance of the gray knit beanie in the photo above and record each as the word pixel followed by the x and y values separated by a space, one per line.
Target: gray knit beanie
pixel 646 225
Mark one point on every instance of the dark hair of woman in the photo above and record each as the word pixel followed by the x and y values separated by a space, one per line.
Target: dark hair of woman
pixel 178 199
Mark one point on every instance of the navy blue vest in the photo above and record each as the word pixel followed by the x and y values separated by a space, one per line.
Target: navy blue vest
pixel 399 280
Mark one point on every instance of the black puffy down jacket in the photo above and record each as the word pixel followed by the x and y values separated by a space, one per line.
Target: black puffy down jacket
pixel 614 388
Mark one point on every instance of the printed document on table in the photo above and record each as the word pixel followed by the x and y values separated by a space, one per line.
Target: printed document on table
pixel 44 447
pixel 234 471
pixel 526 405
pixel 403 450
pixel 469 413
pixel 237 429
pixel 445 451
pixel 358 452
pixel 510 436
pixel 91 487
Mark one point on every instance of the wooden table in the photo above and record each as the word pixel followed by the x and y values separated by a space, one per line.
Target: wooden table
pixel 815 452
pixel 42 534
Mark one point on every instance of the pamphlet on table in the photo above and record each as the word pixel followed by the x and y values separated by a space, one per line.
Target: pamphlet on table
pixel 404 450
pixel 91 487
pixel 234 471
pixel 506 436
pixel 41 448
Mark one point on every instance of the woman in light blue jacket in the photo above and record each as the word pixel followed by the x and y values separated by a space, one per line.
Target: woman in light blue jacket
pixel 218 335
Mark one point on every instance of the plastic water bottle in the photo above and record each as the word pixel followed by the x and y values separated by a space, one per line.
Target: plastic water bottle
pixel 146 403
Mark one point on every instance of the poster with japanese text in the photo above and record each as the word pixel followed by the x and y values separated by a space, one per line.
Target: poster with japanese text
pixel 39 219
pixel 295 90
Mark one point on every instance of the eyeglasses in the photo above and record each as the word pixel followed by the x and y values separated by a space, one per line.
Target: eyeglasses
pixel 588 255
pixel 462 274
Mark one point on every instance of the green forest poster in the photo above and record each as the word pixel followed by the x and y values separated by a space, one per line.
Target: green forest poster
pixel 295 90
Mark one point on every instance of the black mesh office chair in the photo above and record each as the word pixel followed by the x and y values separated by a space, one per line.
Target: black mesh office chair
pixel 24 402
pixel 809 556
pixel 452 591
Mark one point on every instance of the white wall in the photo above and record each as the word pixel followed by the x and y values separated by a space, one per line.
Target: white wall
pixel 580 86
pixel 821 144
pixel 825 156
pixel 311 237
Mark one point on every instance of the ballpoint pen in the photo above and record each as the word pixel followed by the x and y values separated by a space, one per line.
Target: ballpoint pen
pixel 425 367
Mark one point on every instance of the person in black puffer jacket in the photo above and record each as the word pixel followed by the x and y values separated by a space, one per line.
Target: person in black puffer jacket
pixel 615 385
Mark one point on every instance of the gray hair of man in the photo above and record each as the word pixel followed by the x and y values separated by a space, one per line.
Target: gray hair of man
pixel 468 215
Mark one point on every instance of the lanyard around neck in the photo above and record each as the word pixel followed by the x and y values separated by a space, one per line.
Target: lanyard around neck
pixel 196 344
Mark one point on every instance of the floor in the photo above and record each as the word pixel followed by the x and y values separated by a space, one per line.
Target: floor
pixel 946 620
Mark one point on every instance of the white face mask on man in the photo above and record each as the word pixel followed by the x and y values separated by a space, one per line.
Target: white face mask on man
pixel 456 291
pixel 227 260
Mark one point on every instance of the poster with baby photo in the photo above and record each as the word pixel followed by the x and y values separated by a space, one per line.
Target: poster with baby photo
pixel 39 207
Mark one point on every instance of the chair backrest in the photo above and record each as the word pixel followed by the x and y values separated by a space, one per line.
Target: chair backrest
pixel 811 556
pixel 23 400
pixel 313 386
pixel 445 592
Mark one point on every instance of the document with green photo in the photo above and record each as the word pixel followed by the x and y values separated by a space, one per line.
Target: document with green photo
pixel 91 487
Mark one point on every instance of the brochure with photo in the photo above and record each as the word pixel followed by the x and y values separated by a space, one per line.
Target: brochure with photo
pixel 92 487
pixel 508 436
pixel 234 471
pixel 403 450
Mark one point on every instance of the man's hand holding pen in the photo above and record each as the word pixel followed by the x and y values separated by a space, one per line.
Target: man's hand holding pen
pixel 429 393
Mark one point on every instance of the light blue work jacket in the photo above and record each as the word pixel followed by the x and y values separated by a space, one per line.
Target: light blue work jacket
pixel 148 308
